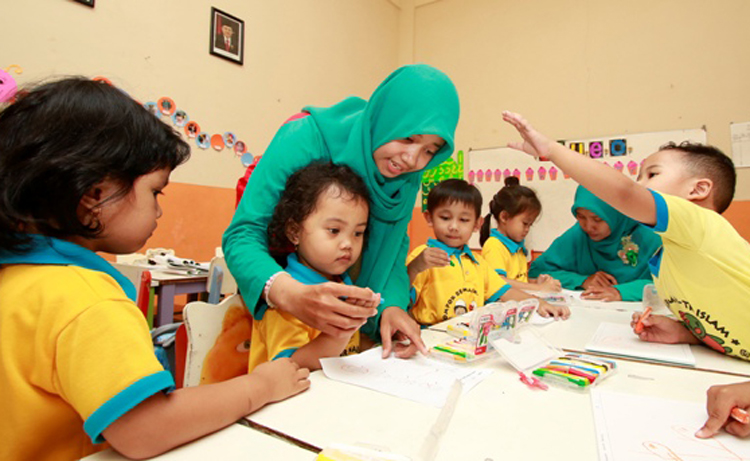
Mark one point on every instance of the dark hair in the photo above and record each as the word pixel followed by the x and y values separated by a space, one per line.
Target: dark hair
pixel 513 199
pixel 301 193
pixel 454 190
pixel 708 161
pixel 61 139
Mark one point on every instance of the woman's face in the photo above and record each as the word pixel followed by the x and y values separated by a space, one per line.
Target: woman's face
pixel 595 227
pixel 406 155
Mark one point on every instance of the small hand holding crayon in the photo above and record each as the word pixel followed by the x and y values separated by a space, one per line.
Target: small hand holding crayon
pixel 534 143
pixel 433 257
pixel 727 407
pixel 661 329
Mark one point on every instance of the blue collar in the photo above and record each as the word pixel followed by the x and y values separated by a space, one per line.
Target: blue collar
pixel 457 252
pixel 510 244
pixel 49 250
pixel 307 276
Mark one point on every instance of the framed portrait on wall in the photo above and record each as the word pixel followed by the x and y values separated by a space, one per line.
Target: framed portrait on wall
pixel 227 36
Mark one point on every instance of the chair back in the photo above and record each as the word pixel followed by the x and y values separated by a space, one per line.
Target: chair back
pixel 220 281
pixel 140 277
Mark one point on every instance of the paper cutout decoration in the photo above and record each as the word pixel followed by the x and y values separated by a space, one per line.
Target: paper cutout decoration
pixel 166 106
pixel 552 173
pixel 472 175
pixel 632 168
pixel 153 108
pixel 506 173
pixel 103 80
pixel 217 142
pixel 517 173
pixel 596 149
pixel 542 172
pixel 192 129
pixel 498 175
pixel 446 170
pixel 229 139
pixel 203 140
pixel 8 85
pixel 180 118
pixel 480 175
pixel 578 147
pixel 529 174
pixel 619 166
pixel 618 147
pixel 240 148
pixel 246 159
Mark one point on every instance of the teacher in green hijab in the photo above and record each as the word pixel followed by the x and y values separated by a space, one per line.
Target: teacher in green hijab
pixel 406 126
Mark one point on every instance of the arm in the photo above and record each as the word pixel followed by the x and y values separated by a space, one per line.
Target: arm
pixel 193 412
pixel 547 285
pixel 427 259
pixel 626 196
pixel 309 355
pixel 545 309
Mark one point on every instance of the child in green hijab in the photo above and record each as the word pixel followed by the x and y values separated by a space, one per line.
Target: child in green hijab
pixel 407 125
pixel 605 253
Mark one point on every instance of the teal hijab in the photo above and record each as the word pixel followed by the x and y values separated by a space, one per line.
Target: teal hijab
pixel 573 256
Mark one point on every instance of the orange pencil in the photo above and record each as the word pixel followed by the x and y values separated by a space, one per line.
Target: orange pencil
pixel 644 316
pixel 740 415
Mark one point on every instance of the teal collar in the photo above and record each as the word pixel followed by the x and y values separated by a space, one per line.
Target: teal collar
pixel 457 252
pixel 304 274
pixel 510 244
pixel 49 250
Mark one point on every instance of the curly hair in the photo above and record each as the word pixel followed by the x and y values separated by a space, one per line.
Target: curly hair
pixel 301 193
pixel 62 138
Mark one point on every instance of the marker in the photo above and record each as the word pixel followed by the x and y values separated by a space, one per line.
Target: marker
pixel 740 415
pixel 576 380
pixel 571 370
pixel 644 316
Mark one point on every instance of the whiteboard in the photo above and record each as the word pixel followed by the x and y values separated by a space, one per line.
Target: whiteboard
pixel 555 191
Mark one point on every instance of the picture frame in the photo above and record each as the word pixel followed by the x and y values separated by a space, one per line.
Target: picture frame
pixel 89 3
pixel 227 37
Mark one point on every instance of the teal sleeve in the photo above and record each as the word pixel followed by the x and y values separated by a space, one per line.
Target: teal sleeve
pixel 245 242
pixel 396 292
pixel 633 291
pixel 568 280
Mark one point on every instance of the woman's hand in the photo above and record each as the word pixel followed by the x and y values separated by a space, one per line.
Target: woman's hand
pixel 602 293
pixel 321 306
pixel 720 402
pixel 599 279
pixel 662 329
pixel 396 324
pixel 534 143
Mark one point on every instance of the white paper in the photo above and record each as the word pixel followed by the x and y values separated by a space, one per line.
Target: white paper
pixel 418 378
pixel 526 351
pixel 740 133
pixel 640 428
pixel 619 339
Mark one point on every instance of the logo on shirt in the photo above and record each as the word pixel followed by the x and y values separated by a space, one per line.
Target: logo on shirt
pixel 457 304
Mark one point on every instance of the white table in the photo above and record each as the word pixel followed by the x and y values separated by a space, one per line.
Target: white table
pixel 236 442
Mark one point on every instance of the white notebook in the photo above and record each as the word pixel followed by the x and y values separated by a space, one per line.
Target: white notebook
pixel 619 339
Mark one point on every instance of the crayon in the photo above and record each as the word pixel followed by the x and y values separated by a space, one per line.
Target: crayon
pixel 740 415
pixel 644 316
pixel 576 380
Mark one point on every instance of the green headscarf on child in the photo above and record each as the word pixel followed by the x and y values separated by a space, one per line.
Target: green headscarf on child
pixel 573 256
pixel 416 99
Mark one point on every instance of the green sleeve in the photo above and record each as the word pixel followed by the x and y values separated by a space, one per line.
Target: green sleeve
pixel 633 291
pixel 563 260
pixel 245 242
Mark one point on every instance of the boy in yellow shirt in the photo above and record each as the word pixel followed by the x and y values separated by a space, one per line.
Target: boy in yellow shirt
pixel 447 278
pixel 703 269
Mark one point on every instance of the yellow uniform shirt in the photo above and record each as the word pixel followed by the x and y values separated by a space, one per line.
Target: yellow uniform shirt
pixel 441 293
pixel 76 355
pixel 279 334
pixel 703 274
pixel 507 257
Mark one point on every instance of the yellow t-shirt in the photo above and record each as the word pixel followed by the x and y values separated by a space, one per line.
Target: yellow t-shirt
pixel 441 293
pixel 703 274
pixel 508 262
pixel 76 355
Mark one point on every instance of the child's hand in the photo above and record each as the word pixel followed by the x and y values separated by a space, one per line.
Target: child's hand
pixel 433 257
pixel 534 143
pixel 721 400
pixel 281 378
pixel 547 283
pixel 602 293
pixel 662 329
pixel 559 312
pixel 599 279
pixel 372 300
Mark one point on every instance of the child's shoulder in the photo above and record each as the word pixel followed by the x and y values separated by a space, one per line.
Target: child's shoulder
pixel 415 252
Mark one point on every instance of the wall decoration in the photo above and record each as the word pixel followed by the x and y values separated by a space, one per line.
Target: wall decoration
pixel 498 175
pixel 180 118
pixel 619 166
pixel 227 36
pixel 217 142
pixel 480 176
pixel 8 85
pixel 229 139
pixel 153 108
pixel 542 172
pixel 529 174
pixel 166 105
pixel 506 173
pixel 192 129
pixel 240 148
pixel 472 176
pixel 247 159
pixel 203 140
pixel 632 168
pixel 446 170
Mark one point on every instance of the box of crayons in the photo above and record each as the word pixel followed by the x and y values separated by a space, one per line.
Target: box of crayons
pixel 575 370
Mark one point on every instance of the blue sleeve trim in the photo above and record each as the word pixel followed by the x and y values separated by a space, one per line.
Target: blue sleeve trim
pixel 662 213
pixel 286 353
pixel 501 272
pixel 124 401
pixel 496 297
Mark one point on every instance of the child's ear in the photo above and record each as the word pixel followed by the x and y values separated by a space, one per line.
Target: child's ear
pixel 503 216
pixel 292 232
pixel 700 190
pixel 480 222
pixel 93 196
pixel 428 218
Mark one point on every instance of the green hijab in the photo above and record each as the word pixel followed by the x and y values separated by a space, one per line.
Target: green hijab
pixel 574 256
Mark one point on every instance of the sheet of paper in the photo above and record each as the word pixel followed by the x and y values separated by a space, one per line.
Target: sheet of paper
pixel 526 350
pixel 631 427
pixel 419 379
pixel 619 339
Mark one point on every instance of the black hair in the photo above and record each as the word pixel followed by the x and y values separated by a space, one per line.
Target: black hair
pixel 513 199
pixel 454 190
pixel 709 161
pixel 61 139
pixel 300 196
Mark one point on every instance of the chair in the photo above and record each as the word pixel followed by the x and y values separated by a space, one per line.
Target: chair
pixel 215 343
pixel 141 278
pixel 220 281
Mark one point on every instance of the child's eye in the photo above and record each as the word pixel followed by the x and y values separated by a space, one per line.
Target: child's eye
pixel 359 234
pixel 464 220
pixel 333 231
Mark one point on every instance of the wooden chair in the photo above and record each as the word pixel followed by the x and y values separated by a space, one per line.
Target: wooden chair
pixel 214 344
pixel 220 282
pixel 141 278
